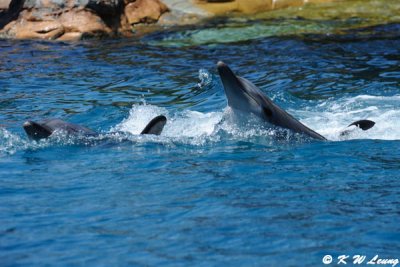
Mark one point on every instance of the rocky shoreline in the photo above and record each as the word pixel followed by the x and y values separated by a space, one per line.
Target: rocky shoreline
pixel 68 20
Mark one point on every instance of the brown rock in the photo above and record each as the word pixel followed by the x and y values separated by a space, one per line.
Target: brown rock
pixel 243 6
pixel 25 29
pixel 286 3
pixel 221 7
pixel 256 6
pixel 70 36
pixel 83 21
pixel 72 19
pixel 125 28
pixel 144 11
pixel 319 1
pixel 4 4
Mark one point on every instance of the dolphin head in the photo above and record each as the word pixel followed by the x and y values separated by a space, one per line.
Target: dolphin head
pixel 243 95
pixel 44 128
pixel 240 93
pixel 36 131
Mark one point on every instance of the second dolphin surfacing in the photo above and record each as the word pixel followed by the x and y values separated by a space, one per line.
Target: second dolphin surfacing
pixel 243 95
pixel 45 128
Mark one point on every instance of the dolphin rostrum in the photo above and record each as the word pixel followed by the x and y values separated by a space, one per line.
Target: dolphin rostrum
pixel 45 128
pixel 243 95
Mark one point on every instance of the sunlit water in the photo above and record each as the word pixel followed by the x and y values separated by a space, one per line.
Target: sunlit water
pixel 211 190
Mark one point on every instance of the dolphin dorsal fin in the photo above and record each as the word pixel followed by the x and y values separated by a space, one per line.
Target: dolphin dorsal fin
pixel 155 126
pixel 363 124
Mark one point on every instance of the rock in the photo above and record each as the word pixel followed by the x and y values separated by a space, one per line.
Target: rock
pixel 145 11
pixel 4 4
pixel 210 8
pixel 25 29
pixel 320 1
pixel 278 4
pixel 74 19
pixel 242 6
pixel 85 22
pixel 182 12
pixel 70 36
pixel 185 7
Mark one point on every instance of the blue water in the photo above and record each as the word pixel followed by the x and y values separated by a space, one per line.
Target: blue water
pixel 209 191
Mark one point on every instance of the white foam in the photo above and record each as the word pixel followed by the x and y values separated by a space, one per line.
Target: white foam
pixel 138 118
pixel 332 116
pixel 196 128
pixel 192 124
pixel 328 117
pixel 187 126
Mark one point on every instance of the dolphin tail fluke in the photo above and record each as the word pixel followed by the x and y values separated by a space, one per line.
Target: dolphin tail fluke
pixel 361 124
pixel 155 126
pixel 36 131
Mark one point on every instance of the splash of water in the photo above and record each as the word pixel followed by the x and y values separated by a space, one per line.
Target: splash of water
pixel 9 143
pixel 332 116
pixel 328 118
pixel 205 78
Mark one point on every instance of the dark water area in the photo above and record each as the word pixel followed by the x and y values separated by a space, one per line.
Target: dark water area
pixel 208 191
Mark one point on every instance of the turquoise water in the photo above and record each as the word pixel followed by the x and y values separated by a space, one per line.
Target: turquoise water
pixel 209 191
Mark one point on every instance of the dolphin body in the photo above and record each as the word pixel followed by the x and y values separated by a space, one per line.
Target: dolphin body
pixel 243 95
pixel 45 128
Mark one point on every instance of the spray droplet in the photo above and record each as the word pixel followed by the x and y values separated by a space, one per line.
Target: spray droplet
pixel 204 77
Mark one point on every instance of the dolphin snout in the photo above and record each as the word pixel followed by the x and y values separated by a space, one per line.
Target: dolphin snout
pixel 221 64
pixel 225 72
pixel 223 69
pixel 27 124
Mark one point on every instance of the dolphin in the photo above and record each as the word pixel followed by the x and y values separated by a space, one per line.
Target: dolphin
pixel 45 128
pixel 243 95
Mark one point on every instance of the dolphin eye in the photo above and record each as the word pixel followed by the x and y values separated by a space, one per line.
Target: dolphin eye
pixel 267 111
